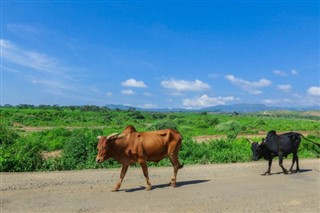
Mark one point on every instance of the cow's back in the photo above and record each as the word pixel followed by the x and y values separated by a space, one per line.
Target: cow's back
pixel 290 142
pixel 286 143
pixel 157 144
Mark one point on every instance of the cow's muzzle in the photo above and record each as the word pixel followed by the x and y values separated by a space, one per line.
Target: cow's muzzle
pixel 255 158
pixel 99 160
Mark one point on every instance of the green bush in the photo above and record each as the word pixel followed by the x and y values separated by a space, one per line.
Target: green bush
pixel 22 156
pixel 52 139
pixel 212 121
pixel 7 136
pixel 215 151
pixel 79 150
pixel 231 128
pixel 163 124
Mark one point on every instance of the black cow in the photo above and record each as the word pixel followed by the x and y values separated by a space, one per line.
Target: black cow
pixel 278 145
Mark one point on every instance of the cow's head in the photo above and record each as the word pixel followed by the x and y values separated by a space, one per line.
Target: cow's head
pixel 103 147
pixel 256 149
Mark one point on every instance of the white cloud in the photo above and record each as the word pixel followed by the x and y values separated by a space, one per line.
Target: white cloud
pixel 133 83
pixel 250 87
pixel 285 87
pixel 31 59
pixel 206 101
pixel 314 91
pixel 38 68
pixel 128 92
pixel 283 73
pixel 109 94
pixel 279 72
pixel 22 30
pixel 147 94
pixel 182 85
pixel 279 102
pixel 294 72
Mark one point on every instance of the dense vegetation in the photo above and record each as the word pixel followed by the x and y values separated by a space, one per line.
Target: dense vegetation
pixel 71 133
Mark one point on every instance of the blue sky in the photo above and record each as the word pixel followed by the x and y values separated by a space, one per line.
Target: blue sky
pixel 162 54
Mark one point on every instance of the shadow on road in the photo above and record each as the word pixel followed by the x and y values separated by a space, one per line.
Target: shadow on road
pixel 294 172
pixel 161 186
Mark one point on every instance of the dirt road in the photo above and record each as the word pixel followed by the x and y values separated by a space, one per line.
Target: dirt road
pixel 201 188
pixel 261 134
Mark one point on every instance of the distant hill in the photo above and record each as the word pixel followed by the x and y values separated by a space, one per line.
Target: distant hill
pixel 240 108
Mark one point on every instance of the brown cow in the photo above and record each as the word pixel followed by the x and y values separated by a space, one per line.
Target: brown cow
pixel 139 147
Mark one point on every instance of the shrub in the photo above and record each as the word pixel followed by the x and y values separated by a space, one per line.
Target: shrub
pixel 229 126
pixel 158 115
pixel 163 124
pixel 79 150
pixel 7 136
pixel 212 121
pixel 136 115
pixel 22 156
pixel 232 128
pixel 52 139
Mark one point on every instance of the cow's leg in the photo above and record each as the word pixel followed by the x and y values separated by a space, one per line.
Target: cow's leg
pixel 146 174
pixel 297 161
pixel 280 163
pixel 269 167
pixel 122 174
pixel 176 166
pixel 294 159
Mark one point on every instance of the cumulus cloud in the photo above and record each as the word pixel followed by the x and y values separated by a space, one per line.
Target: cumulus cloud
pixel 250 87
pixel 128 92
pixel 285 87
pixel 182 85
pixel 133 83
pixel 314 91
pixel 206 101
pixel 279 72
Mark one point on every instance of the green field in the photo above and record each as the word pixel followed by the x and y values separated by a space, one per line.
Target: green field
pixel 29 135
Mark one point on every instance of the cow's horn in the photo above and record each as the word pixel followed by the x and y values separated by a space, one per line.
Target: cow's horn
pixel 99 137
pixel 263 141
pixel 113 135
pixel 250 141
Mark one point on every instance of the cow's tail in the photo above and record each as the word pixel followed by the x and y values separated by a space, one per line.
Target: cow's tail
pixel 310 140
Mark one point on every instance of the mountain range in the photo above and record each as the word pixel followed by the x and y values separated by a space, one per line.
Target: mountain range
pixel 239 108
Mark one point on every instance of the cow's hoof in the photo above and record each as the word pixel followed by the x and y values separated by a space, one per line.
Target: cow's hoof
pixel 114 190
pixel 266 174
pixel 148 188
